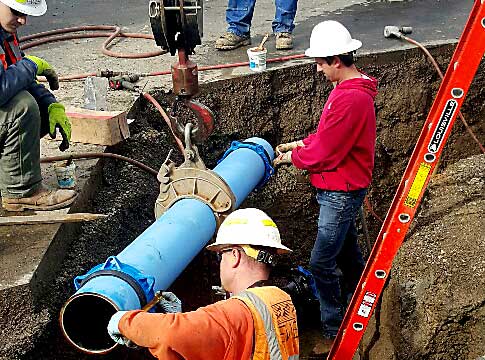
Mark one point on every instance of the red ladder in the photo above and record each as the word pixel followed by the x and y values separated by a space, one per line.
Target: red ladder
pixel 424 159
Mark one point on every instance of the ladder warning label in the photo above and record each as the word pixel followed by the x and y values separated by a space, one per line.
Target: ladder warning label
pixel 443 124
pixel 366 304
pixel 417 185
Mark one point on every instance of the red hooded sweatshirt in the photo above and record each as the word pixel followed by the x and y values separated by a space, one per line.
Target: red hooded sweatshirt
pixel 340 154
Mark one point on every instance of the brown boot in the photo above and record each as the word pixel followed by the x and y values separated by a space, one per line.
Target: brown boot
pixel 230 41
pixel 42 199
pixel 284 41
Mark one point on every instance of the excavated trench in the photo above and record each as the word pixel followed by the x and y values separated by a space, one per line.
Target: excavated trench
pixel 279 105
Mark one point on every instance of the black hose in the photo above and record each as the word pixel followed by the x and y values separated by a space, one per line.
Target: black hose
pixel 97 156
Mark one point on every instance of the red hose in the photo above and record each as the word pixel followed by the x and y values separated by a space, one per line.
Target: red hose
pixel 166 118
pixel 369 208
pixel 440 73
pixel 202 68
pixel 50 36
pixel 47 37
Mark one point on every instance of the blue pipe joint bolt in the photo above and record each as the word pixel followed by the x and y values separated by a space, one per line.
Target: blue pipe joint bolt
pixel 115 274
pixel 260 150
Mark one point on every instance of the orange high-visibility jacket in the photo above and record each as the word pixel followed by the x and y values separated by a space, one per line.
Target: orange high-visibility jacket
pixel 274 319
pixel 221 331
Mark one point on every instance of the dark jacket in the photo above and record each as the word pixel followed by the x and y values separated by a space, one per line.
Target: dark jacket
pixel 340 154
pixel 20 75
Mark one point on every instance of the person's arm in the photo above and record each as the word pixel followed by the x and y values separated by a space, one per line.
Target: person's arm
pixel 15 78
pixel 193 335
pixel 332 141
pixel 308 139
pixel 43 97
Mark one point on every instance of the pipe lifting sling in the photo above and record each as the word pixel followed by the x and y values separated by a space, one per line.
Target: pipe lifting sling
pixel 425 157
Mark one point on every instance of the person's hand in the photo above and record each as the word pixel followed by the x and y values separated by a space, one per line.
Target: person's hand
pixel 115 333
pixel 170 303
pixel 58 119
pixel 45 69
pixel 282 159
pixel 282 148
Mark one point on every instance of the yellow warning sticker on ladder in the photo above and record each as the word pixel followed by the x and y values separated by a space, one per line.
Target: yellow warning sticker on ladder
pixel 417 185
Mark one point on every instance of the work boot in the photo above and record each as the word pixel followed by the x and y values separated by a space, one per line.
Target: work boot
pixel 230 41
pixel 42 199
pixel 284 41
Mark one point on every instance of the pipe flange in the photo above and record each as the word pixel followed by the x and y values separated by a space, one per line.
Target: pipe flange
pixel 201 184
pixel 258 149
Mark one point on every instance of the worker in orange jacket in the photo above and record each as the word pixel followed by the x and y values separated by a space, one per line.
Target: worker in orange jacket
pixel 258 322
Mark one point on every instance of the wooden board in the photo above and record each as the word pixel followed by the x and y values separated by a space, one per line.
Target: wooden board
pixel 49 218
pixel 98 127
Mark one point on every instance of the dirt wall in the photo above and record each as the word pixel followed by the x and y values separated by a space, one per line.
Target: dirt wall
pixel 434 304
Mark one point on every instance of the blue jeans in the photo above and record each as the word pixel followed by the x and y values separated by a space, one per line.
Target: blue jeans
pixel 336 247
pixel 239 14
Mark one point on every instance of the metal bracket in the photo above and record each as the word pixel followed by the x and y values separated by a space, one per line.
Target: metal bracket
pixel 203 185
pixel 192 180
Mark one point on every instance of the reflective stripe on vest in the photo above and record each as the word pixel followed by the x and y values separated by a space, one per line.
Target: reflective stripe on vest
pixel 271 343
pixel 2 59
pixel 12 50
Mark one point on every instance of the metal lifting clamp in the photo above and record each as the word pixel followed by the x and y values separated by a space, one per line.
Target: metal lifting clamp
pixel 177 26
pixel 193 180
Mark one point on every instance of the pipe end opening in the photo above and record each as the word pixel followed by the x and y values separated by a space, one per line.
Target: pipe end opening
pixel 84 320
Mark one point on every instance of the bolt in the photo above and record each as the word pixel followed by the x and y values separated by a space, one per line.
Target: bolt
pixel 189 154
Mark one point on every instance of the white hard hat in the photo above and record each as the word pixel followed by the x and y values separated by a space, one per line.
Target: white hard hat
pixel 248 227
pixel 27 7
pixel 331 38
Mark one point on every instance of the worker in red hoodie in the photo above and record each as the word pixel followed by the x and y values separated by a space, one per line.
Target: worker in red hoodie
pixel 340 158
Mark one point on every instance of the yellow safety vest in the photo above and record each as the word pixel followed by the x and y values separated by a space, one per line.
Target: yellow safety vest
pixel 275 327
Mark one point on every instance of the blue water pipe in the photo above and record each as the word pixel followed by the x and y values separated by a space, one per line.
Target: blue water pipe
pixel 156 258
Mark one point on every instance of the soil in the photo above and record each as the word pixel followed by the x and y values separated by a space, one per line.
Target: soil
pixel 280 106
pixel 434 305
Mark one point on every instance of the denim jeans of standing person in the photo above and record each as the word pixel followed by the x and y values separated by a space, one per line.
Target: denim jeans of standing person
pixel 239 14
pixel 336 247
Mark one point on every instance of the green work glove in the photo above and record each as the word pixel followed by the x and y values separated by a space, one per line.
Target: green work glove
pixel 58 119
pixel 45 69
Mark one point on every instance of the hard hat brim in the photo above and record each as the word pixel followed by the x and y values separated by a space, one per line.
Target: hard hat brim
pixel 280 249
pixel 352 46
pixel 32 10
